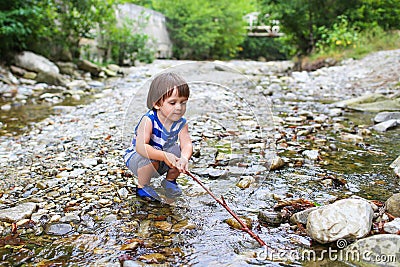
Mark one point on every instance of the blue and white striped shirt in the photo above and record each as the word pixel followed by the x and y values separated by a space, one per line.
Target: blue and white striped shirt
pixel 160 138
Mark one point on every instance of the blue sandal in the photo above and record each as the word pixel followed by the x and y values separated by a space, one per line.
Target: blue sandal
pixel 147 193
pixel 172 189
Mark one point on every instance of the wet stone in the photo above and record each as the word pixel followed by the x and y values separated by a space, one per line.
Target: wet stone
pixel 232 222
pixel 153 258
pixel 58 229
pixel 270 217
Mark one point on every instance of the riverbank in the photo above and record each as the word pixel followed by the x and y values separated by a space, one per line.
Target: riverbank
pixel 70 164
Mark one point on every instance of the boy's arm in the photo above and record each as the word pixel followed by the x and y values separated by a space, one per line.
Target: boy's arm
pixel 142 143
pixel 185 143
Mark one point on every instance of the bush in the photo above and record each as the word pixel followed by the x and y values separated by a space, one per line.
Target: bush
pixel 202 29
pixel 126 45
pixel 341 35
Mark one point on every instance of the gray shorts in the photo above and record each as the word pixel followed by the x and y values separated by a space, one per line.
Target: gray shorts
pixel 137 161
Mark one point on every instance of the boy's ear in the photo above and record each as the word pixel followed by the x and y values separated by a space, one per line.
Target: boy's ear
pixel 156 105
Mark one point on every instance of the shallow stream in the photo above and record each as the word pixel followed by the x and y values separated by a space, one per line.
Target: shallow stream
pixel 193 231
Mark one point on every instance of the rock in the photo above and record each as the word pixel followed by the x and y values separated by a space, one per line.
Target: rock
pixel 232 222
pixel 89 67
pixel 130 246
pixel 17 71
pixel 114 67
pixel 17 213
pixel 396 166
pixel 153 258
pixel 163 225
pixel 386 105
pixel 245 182
pixel 270 217
pixel 311 154
pixel 274 162
pixel 301 216
pixel 393 205
pixel 384 126
pixel 68 68
pixel 358 100
pixel 377 250
pixel 70 217
pixel 30 75
pixel 392 227
pixel 58 229
pixel 123 193
pixel 216 173
pixel 344 219
pixel 385 116
pixel 109 73
pixel 36 63
pixel 130 263
pixel 347 137
pixel 51 78
pixel 77 84
pixel 183 225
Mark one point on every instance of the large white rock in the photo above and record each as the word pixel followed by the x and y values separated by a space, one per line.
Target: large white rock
pixel 36 63
pixel 344 219
pixel 17 213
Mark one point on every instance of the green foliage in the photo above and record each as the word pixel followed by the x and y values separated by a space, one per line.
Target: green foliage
pixel 370 13
pixel 22 22
pixel 268 48
pixel 78 18
pixel 341 35
pixel 127 45
pixel 202 29
pixel 307 23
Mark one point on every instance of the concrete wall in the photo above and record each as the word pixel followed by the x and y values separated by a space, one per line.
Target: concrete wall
pixel 156 27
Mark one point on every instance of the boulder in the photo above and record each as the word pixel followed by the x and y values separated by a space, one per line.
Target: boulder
pixel 68 68
pixel 377 250
pixel 34 62
pixel 17 213
pixel 51 78
pixel 368 98
pixel 90 67
pixel 393 205
pixel 386 125
pixel 385 116
pixel 392 227
pixel 385 105
pixel 344 219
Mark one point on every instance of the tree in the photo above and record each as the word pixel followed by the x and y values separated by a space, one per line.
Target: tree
pixel 202 29
pixel 21 23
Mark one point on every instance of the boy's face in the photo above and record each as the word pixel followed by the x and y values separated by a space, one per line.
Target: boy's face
pixel 173 107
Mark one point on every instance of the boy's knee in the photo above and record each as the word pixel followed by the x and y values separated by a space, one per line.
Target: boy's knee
pixel 173 173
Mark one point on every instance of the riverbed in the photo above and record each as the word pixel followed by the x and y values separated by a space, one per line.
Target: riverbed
pixel 240 112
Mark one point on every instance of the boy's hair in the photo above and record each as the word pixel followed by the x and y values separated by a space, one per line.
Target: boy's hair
pixel 162 87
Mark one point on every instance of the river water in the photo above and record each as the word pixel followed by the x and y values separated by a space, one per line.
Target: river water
pixel 234 124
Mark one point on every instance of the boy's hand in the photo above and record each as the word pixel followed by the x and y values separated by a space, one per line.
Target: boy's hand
pixel 183 165
pixel 170 159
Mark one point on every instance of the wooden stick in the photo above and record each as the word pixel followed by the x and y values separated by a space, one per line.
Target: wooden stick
pixel 223 204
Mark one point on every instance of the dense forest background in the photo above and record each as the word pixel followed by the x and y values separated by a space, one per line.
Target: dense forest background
pixel 203 29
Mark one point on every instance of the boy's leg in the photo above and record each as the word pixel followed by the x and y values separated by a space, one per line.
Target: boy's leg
pixel 172 189
pixel 145 173
pixel 172 174
pixel 144 169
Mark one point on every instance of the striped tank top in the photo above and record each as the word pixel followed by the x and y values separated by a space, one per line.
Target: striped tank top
pixel 160 138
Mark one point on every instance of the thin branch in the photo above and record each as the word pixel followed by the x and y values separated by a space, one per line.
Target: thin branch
pixel 223 204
